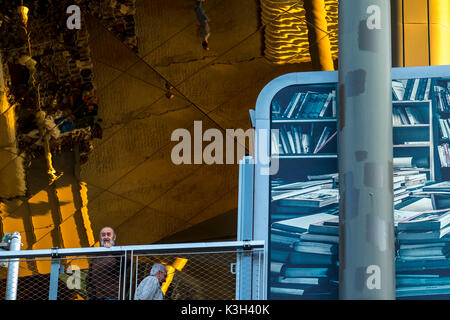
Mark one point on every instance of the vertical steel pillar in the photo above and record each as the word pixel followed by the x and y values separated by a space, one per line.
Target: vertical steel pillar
pixel 13 268
pixel 54 275
pixel 366 248
pixel 244 284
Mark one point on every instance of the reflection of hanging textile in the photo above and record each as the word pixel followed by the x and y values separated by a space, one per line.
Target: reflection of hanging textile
pixel 40 120
pixel 203 19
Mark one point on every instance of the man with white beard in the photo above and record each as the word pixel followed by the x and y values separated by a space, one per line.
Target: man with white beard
pixel 103 279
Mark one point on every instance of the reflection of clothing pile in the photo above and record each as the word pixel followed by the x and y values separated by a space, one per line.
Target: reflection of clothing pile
pixel 118 17
pixel 61 67
pixel 204 29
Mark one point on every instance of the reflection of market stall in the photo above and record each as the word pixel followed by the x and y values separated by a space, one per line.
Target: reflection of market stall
pixel 49 119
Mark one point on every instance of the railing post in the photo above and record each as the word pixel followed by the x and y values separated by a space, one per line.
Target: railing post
pixel 244 283
pixel 130 297
pixel 125 276
pixel 54 276
pixel 13 268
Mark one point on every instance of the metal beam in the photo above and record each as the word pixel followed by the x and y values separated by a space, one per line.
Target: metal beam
pixel 157 248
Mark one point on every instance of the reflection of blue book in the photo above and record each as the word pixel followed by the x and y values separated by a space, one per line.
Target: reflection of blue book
pixel 303 258
pixel 398 90
pixel 292 104
pixel 276 110
pixel 280 240
pixel 305 106
pixel 276 267
pixel 284 141
pixel 423 235
pixel 297 131
pixel 408 89
pixel 402 265
pixel 325 106
pixel 299 272
pixel 302 281
pixel 423 252
pixel 298 103
pixel 421 280
pixel 422 290
pixel 319 238
pixel 277 254
pixel 320 102
pixel 316 247
pixel 425 221
pixel 440 186
pixel 301 224
pixel 286 291
pixel 323 228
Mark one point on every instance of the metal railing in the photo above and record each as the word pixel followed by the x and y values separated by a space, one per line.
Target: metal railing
pixel 196 271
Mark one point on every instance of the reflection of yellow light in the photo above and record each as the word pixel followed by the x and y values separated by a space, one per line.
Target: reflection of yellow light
pixel 439 32
pixel 85 214
pixel 178 264
pixel 24 14
pixel 286 30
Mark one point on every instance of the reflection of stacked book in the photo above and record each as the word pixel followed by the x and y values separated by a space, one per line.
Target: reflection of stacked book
pixel 411 89
pixel 406 115
pixel 310 269
pixel 408 178
pixel 282 190
pixel 444 126
pixel 300 140
pixel 403 163
pixel 306 105
pixel 422 262
pixel 318 198
pixel 442 98
pixel 334 176
pixel 443 186
pixel 444 154
pixel 284 234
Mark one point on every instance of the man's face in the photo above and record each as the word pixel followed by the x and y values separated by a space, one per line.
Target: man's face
pixel 161 276
pixel 107 237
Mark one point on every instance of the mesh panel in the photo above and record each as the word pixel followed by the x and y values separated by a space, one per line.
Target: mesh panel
pixel 195 276
pixel 33 282
pixel 220 275
pixel 92 278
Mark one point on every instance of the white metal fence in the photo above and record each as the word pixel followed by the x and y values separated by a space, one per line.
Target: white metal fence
pixel 196 271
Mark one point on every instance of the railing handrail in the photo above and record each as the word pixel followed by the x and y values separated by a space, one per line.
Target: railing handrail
pixel 154 248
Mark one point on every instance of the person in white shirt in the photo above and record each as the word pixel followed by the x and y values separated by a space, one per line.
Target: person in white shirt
pixel 150 287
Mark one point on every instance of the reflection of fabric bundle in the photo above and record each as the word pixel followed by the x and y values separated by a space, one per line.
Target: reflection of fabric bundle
pixel 204 30
pixel 28 62
pixel 286 30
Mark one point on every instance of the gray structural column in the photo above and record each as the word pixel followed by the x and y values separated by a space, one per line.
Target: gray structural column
pixel 366 247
